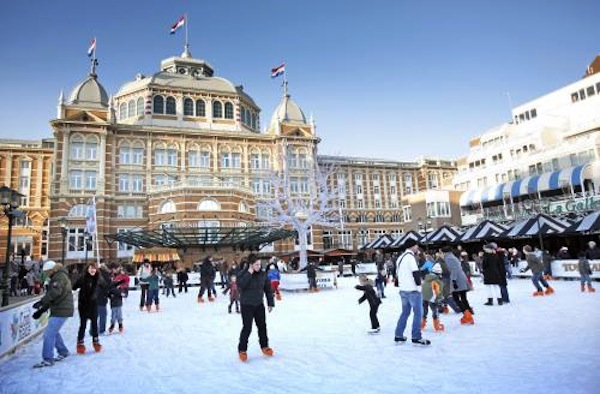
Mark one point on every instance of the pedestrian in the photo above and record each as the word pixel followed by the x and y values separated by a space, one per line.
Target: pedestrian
pixel 592 253
pixel 254 284
pixel 311 274
pixel 534 263
pixel 585 271
pixel 88 284
pixel 409 283
pixel 122 277
pixel 59 299
pixel 143 274
pixel 116 309
pixel 234 293
pixel 460 285
pixel 366 286
pixel 153 281
pixel 433 294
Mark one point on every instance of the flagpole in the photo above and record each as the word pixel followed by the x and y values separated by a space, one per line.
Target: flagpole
pixel 96 231
pixel 285 81
pixel 186 31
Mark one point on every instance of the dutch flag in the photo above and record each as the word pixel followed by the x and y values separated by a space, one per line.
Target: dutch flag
pixel 277 71
pixel 92 47
pixel 177 25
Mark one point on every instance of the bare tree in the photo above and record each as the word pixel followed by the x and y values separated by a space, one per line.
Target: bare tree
pixel 302 197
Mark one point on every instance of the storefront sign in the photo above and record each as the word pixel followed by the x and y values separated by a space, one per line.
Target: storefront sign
pixel 17 326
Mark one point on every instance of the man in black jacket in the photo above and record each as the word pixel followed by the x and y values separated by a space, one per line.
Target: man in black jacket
pixel 253 284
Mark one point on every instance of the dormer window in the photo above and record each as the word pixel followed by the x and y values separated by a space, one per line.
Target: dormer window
pixel 217 109
pixel 158 105
pixel 228 110
pixel 171 105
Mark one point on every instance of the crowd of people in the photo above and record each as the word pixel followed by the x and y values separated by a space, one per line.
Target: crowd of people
pixel 435 283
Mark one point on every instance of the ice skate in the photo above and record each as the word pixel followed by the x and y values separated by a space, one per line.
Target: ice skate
pixel 421 342
pixel 400 340
pixel 591 289
pixel 80 347
pixel 121 328
pixel 538 293
pixel 200 300
pixel 44 363
pixel 467 318
pixel 97 345
pixel 489 302
pixel 374 330
pixel 437 326
pixel 267 351
pixel 243 356
pixel 423 323
pixel 549 290
pixel 111 328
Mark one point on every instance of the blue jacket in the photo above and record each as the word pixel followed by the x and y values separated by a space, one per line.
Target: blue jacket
pixel 274 275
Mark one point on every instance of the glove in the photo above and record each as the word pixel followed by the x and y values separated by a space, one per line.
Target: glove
pixel 454 284
pixel 37 305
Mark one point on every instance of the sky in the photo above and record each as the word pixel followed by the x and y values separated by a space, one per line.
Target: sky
pixel 411 78
pixel 534 344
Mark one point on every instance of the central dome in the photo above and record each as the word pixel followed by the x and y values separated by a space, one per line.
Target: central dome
pixel 287 112
pixel 89 93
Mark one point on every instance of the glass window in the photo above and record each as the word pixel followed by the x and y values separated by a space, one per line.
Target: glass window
pixel 122 111
pixel 193 159
pixel 137 183
pixel 590 91
pixel 205 159
pixel 75 179
pixel 236 160
pixel 598 88
pixel 90 180
pixel 125 154
pixel 188 107
pixel 243 115
pixel 138 156
pixel 160 157
pixel 358 189
pixel 582 94
pixel 360 204
pixel 533 113
pixel 158 105
pixel 200 108
pixel 140 106
pixel 574 97
pixel 172 158
pixel 171 105
pixel 131 108
pixel 123 182
pixel 254 121
pixel 266 161
pixel 91 150
pixel 217 109
pixel 76 149
pixel 225 160
pixel 255 161
pixel 228 110
pixel 302 161
pixel 407 213
pixel 376 189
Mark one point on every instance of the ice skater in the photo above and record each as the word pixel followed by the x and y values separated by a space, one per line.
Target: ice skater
pixel 366 286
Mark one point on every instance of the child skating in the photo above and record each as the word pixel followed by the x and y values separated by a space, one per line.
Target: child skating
pixel 366 286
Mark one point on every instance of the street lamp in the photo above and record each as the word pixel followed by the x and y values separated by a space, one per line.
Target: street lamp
pixel 424 226
pixel 9 200
pixel 64 230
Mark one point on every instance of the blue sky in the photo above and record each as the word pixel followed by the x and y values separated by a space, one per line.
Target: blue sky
pixel 386 79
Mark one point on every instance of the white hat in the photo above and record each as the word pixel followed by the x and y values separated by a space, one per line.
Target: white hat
pixel 48 265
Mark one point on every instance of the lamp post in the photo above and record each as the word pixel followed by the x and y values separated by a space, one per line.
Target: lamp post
pixel 9 200
pixel 424 226
pixel 63 230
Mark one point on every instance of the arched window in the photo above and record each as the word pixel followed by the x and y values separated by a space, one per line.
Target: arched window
pixel 167 207
pixel 243 207
pixel 200 108
pixel 158 105
pixel 188 107
pixel 91 148
pixel 131 109
pixel 254 121
pixel 243 115
pixel 77 211
pixel 170 105
pixel 125 156
pixel 122 111
pixel 228 110
pixel 217 109
pixel 76 147
pixel 140 106
pixel 208 205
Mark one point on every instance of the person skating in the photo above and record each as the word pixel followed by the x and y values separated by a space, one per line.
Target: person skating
pixel 88 285
pixel 153 281
pixel 116 309
pixel 207 274
pixel 585 271
pixel 234 293
pixel 433 294
pixel 460 285
pixel 409 283
pixel 275 278
pixel 366 286
pixel 534 263
pixel 254 284
pixel 491 270
pixel 59 299
pixel 142 274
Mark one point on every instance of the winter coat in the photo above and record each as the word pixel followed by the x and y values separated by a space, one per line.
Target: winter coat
pixel 116 297
pixel 104 287
pixel 88 286
pixel 534 263
pixel 234 291
pixel 274 275
pixel 253 287
pixel 124 279
pixel 59 296
pixel 153 282
pixel 433 288
pixel 490 265
pixel 207 271
pixel 182 276
pixel 584 267
pixel 592 253
pixel 457 275
pixel 369 295
pixel 311 272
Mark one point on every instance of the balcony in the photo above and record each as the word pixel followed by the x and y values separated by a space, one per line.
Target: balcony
pixel 202 184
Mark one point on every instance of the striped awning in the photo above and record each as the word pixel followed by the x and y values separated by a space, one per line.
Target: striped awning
pixel 572 176
pixel 482 231
pixel 380 243
pixel 589 223
pixel 443 234
pixel 533 226
pixel 398 243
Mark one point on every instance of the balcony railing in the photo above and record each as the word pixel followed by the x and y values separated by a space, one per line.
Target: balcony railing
pixel 202 184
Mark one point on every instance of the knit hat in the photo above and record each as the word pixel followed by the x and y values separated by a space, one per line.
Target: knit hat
pixel 49 265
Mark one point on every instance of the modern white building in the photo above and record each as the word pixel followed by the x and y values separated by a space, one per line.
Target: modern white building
pixel 544 160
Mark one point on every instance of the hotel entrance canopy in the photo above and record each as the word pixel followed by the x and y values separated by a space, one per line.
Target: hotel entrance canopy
pixel 535 184
pixel 243 238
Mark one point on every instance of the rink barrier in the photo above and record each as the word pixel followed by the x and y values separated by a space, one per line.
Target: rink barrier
pixel 17 326
pixel 299 281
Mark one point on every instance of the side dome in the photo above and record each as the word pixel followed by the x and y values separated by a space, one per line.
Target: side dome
pixel 89 93
pixel 287 112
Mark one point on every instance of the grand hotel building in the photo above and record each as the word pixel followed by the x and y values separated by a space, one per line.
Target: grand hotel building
pixel 184 146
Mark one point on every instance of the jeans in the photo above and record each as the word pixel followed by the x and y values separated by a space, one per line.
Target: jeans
pixel 170 289
pixel 538 278
pixel 102 312
pixel 380 287
pixel 152 297
pixel 434 309
pixel 183 285
pixel 504 292
pixel 586 278
pixel 53 339
pixel 116 315
pixel 256 313
pixel 410 300
pixel 143 295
